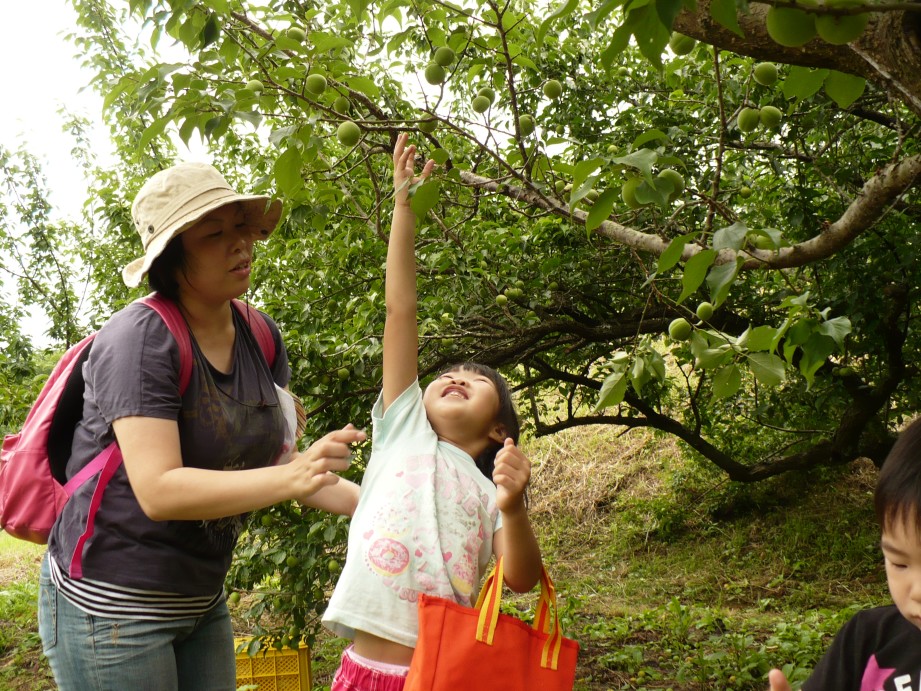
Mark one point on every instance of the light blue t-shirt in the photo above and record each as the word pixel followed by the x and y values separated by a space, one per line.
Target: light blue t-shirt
pixel 424 524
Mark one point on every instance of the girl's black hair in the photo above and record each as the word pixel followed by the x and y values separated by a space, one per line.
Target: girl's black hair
pixel 162 274
pixel 898 488
pixel 507 416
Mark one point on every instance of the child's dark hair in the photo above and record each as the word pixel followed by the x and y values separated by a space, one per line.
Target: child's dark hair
pixel 898 488
pixel 507 416
pixel 162 274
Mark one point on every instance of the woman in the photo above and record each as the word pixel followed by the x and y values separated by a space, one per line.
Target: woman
pixel 145 609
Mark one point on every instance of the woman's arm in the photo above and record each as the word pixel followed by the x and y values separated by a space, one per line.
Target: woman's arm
pixel 401 335
pixel 168 490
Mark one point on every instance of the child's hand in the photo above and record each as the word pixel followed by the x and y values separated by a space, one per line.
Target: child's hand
pixel 778 681
pixel 511 474
pixel 404 168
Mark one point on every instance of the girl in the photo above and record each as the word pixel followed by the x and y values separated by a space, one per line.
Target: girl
pixel 428 520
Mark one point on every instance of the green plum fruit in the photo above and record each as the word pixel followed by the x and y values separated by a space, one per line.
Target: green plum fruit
pixel 749 119
pixel 348 133
pixel 480 104
pixel 680 329
pixel 553 89
pixel 444 56
pixel 435 73
pixel 790 27
pixel 770 116
pixel 315 84
pixel 765 73
pixel 681 44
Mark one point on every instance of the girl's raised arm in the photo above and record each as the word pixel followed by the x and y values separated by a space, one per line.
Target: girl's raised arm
pixel 401 335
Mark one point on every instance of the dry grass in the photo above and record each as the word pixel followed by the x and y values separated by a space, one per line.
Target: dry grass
pixel 580 472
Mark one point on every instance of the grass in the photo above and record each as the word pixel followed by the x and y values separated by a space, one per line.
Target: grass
pixel 668 576
pixel 22 668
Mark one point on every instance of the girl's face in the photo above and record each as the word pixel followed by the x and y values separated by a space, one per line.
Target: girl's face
pixel 901 543
pixel 219 253
pixel 462 407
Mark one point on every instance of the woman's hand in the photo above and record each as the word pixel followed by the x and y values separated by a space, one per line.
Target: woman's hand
pixel 778 681
pixel 315 468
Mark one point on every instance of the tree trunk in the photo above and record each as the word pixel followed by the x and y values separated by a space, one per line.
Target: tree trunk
pixel 887 54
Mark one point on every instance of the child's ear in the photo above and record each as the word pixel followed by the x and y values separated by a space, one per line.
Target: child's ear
pixel 497 434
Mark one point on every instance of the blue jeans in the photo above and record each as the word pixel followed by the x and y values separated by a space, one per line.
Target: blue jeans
pixel 91 653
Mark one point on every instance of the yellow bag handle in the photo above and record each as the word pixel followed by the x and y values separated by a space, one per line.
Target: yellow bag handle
pixel 546 621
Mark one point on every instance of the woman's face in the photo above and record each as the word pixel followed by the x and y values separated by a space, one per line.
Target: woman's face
pixel 218 254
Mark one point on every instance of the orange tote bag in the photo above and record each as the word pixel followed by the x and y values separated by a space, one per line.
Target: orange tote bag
pixel 483 649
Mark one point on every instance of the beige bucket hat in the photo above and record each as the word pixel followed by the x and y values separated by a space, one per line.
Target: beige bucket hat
pixel 172 200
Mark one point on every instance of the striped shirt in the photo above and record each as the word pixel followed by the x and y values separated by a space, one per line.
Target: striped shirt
pixel 117 602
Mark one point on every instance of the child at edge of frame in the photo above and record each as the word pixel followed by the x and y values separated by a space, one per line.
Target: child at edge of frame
pixel 879 649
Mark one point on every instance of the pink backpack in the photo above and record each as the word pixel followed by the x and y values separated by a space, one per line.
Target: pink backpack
pixel 33 484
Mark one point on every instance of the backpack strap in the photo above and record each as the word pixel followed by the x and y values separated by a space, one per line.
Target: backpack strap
pixel 260 328
pixel 175 322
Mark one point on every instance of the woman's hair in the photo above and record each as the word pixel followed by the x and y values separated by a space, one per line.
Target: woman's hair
pixel 507 416
pixel 898 488
pixel 162 274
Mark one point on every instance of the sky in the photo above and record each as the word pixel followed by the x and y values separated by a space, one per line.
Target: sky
pixel 41 76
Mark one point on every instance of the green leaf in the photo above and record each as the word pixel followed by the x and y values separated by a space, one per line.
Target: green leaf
pixel 767 368
pixel 672 253
pixel 358 8
pixel 643 160
pixel 639 375
pixel 655 364
pixel 837 329
pixel 720 280
pixel 562 10
pixel 154 130
pixel 423 197
pixel 695 271
pixel 363 85
pixel 211 31
pixel 440 156
pixel 803 82
pixel 288 172
pixel 713 357
pixel 668 10
pixel 725 13
pixel 761 338
pixel 650 136
pixel 620 39
pixel 583 170
pixel 843 88
pixel 815 354
pixel 731 238
pixel 602 208
pixel 650 34
pixel 726 382
pixel 600 13
pixel 612 391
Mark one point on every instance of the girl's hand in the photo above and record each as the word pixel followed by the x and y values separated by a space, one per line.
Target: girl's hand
pixel 511 473
pixel 404 168
pixel 315 468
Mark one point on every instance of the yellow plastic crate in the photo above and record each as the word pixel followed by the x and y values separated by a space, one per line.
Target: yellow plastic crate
pixel 274 670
